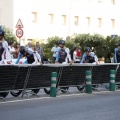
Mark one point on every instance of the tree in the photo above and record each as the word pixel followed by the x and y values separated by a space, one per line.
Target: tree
pixel 109 46
pixel 52 41
pixel 9 36
pixel 48 46
pixel 95 42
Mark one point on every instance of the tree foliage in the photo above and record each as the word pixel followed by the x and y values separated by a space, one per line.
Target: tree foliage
pixel 103 47
pixel 9 36
pixel 51 43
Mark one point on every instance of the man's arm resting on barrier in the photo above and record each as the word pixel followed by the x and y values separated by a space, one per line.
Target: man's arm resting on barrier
pixel 2 61
pixel 38 57
pixel 83 58
pixel 57 56
pixel 68 55
pixel 18 59
pixel 96 59
pixel 115 58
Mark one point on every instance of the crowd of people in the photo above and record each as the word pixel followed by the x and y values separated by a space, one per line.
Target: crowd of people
pixel 61 54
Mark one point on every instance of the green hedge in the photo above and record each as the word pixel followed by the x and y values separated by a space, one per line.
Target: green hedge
pixel 102 46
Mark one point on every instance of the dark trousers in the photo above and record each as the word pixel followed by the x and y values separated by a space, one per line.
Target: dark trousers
pixel 53 59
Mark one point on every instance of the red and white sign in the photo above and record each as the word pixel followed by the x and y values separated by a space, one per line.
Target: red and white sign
pixel 19 32
pixel 19 24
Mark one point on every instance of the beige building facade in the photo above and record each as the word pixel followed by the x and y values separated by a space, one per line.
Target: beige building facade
pixel 45 18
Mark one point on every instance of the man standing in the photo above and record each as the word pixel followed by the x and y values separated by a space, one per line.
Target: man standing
pixel 117 53
pixel 29 45
pixel 39 49
pixel 4 48
pixel 12 49
pixel 54 51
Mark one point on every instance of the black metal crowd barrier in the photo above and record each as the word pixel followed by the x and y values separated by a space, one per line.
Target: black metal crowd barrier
pixel 118 75
pixel 20 78
pixel 40 76
pixel 24 77
pixel 7 77
pixel 101 73
pixel 72 76
pixel 12 77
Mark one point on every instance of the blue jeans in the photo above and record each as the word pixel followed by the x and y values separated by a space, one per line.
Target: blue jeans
pixel 18 59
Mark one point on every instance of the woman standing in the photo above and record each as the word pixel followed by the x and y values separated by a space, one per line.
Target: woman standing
pixel 17 47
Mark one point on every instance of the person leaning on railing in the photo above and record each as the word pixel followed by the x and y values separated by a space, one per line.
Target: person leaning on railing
pixel 89 57
pixel 32 56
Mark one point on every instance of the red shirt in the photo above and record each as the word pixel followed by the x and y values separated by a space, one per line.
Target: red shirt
pixel 79 53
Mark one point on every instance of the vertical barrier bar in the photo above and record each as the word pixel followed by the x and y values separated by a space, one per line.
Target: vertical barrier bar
pixel 88 81
pixel 53 84
pixel 112 80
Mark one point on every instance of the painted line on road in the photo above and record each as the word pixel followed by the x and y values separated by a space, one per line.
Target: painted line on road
pixel 78 94
pixel 13 101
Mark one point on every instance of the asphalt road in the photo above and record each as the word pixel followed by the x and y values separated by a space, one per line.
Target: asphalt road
pixel 96 106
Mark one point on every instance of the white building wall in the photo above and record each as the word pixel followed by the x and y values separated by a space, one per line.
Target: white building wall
pixel 42 29
pixel 6 13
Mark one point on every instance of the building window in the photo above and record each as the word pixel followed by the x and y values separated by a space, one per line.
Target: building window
pixel 64 19
pixel 113 23
pixel 113 2
pixel 88 21
pixel 34 16
pixel 76 20
pixel 100 1
pixel 99 22
pixel 51 18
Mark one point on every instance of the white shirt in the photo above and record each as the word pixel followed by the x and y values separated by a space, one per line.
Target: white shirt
pixel 54 49
pixel 35 54
pixel 11 49
pixel 7 51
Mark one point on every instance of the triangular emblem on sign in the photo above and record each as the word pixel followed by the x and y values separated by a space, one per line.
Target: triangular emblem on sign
pixel 19 24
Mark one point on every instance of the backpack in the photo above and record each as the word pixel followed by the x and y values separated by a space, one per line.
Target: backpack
pixel 89 59
pixel 63 55
pixel 30 58
pixel 1 50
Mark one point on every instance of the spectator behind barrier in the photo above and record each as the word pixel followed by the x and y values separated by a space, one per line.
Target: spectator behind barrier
pixel 72 51
pixel 4 49
pixel 76 55
pixel 117 53
pixel 39 49
pixel 17 47
pixel 54 51
pixel 12 49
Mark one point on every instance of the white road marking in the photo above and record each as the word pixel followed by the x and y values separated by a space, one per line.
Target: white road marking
pixel 30 99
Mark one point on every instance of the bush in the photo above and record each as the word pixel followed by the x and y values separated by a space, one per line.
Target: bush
pixel 47 47
pixel 9 36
